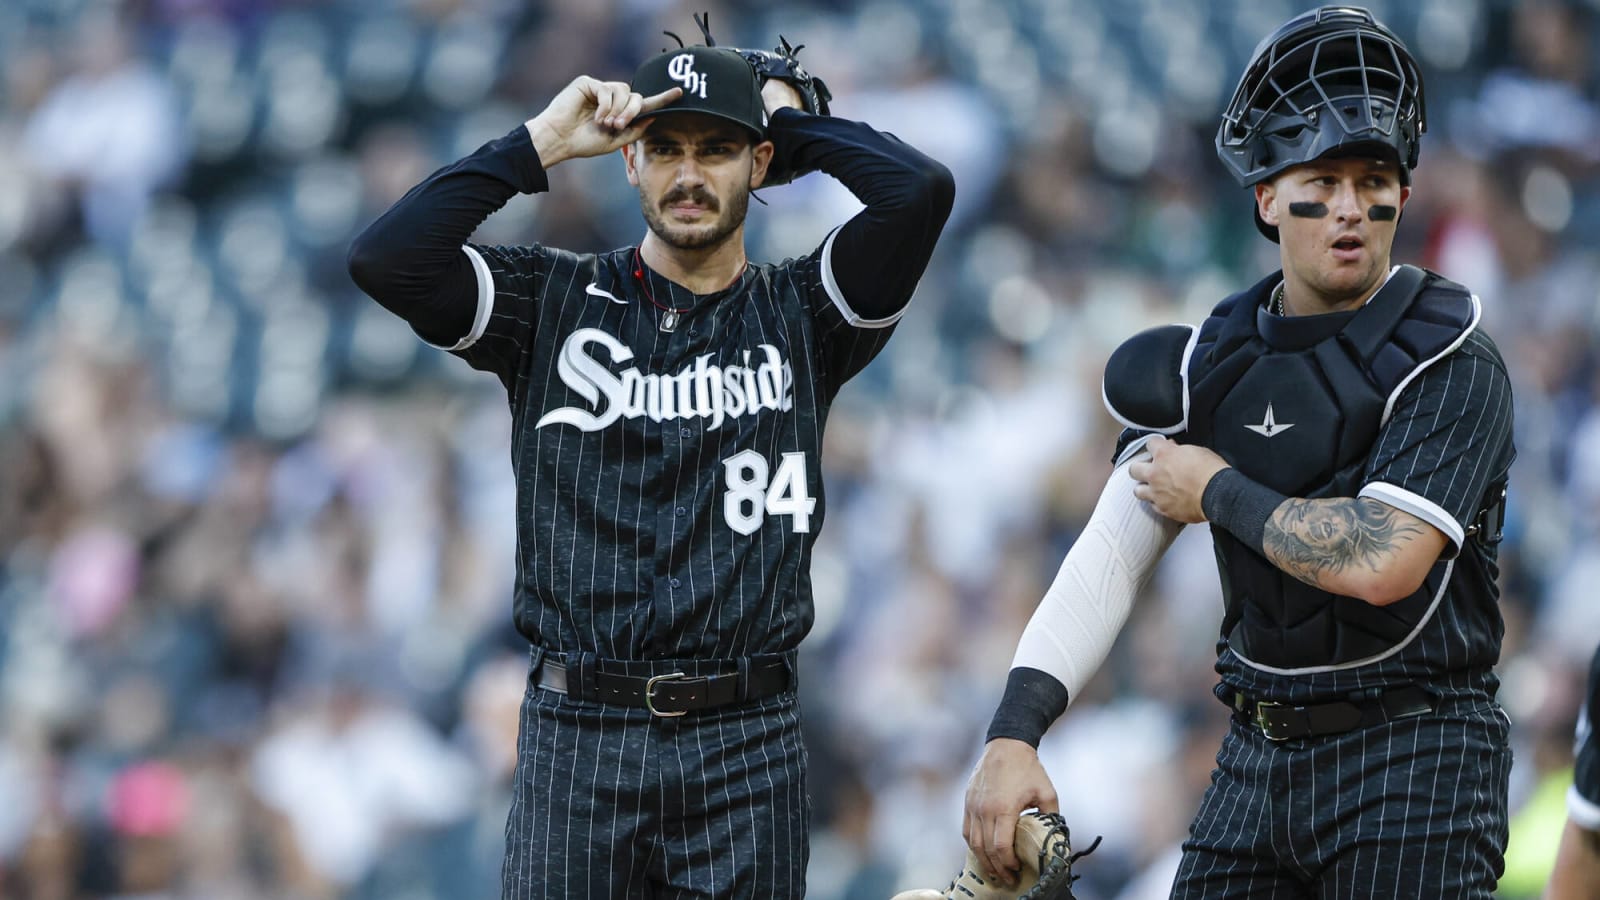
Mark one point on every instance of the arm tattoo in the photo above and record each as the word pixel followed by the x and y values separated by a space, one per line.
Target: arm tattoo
pixel 1312 538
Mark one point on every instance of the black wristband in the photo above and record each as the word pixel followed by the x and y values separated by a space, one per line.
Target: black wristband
pixel 1241 506
pixel 1033 701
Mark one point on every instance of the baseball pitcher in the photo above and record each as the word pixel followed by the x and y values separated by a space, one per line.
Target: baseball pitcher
pixel 668 401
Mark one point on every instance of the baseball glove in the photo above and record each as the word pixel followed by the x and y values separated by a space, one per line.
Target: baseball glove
pixel 1043 846
pixel 781 63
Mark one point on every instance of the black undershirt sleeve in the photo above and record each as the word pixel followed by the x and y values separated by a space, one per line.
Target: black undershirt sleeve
pixel 907 194
pixel 410 259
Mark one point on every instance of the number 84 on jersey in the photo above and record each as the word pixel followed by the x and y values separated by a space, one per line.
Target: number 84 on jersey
pixel 755 492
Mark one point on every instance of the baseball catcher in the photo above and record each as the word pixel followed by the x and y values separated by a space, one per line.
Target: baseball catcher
pixel 1355 508
pixel 1044 849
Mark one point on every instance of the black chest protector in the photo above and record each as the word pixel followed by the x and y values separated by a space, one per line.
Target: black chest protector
pixel 1302 417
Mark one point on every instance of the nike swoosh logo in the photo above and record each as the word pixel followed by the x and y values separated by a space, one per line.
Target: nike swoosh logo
pixel 595 291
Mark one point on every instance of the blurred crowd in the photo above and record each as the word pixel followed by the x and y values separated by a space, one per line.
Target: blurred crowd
pixel 256 539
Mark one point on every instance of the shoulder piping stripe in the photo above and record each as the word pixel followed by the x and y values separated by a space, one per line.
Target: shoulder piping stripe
pixel 1417 505
pixel 480 319
pixel 830 285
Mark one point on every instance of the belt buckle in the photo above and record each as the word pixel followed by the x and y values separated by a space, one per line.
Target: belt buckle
pixel 1268 728
pixel 650 696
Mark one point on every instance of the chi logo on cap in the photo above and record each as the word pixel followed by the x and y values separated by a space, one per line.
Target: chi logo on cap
pixel 681 70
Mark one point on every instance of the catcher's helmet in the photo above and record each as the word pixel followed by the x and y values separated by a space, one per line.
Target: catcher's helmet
pixel 1330 81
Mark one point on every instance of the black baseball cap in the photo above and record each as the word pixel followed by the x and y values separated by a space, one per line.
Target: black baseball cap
pixel 716 81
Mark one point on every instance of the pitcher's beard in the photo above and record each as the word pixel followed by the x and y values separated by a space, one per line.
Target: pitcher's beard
pixel 698 236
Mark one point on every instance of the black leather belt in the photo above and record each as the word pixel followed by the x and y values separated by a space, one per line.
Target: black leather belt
pixel 674 693
pixel 1280 722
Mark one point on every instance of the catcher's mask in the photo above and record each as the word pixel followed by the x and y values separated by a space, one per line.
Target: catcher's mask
pixel 715 80
pixel 1332 81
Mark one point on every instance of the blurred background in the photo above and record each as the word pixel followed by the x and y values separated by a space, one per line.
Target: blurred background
pixel 256 538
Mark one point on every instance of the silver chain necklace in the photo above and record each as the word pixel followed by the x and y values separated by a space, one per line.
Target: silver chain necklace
pixel 1277 301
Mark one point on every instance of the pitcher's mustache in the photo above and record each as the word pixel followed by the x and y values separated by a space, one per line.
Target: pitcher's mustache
pixel 691 195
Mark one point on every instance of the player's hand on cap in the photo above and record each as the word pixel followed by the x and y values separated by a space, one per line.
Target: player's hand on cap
pixel 592 118
pixel 1007 780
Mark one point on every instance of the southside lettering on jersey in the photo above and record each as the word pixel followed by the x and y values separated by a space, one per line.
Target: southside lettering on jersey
pixel 669 484
pixel 703 390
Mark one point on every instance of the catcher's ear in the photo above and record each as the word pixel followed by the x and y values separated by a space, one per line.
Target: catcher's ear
pixel 761 155
pixel 628 160
pixel 1266 194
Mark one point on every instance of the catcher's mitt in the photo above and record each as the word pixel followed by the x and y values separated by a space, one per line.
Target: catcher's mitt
pixel 1043 846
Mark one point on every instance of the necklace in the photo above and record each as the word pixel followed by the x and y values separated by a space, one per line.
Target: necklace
pixel 1277 301
pixel 669 314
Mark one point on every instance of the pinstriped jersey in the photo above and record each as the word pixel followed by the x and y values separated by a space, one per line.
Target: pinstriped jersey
pixel 1447 439
pixel 666 446
pixel 1583 798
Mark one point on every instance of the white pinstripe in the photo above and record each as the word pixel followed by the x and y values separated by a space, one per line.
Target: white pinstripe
pixel 1433 789
pixel 1338 826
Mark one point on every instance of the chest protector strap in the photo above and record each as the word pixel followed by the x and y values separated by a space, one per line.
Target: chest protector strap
pixel 1304 422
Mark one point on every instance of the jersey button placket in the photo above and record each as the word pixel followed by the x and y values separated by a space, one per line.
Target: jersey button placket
pixel 678 512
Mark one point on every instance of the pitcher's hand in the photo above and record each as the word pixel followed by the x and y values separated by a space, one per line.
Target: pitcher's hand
pixel 592 118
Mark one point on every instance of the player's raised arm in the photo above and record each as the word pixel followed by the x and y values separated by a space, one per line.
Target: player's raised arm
pixel 592 118
pixel 410 259
pixel 878 256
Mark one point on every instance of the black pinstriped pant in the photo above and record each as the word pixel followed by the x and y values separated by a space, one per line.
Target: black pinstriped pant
pixel 611 802
pixel 1412 808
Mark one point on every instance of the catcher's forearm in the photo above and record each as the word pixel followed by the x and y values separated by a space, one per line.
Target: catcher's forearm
pixel 1350 546
pixel 410 259
pixel 880 254
pixel 1085 608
